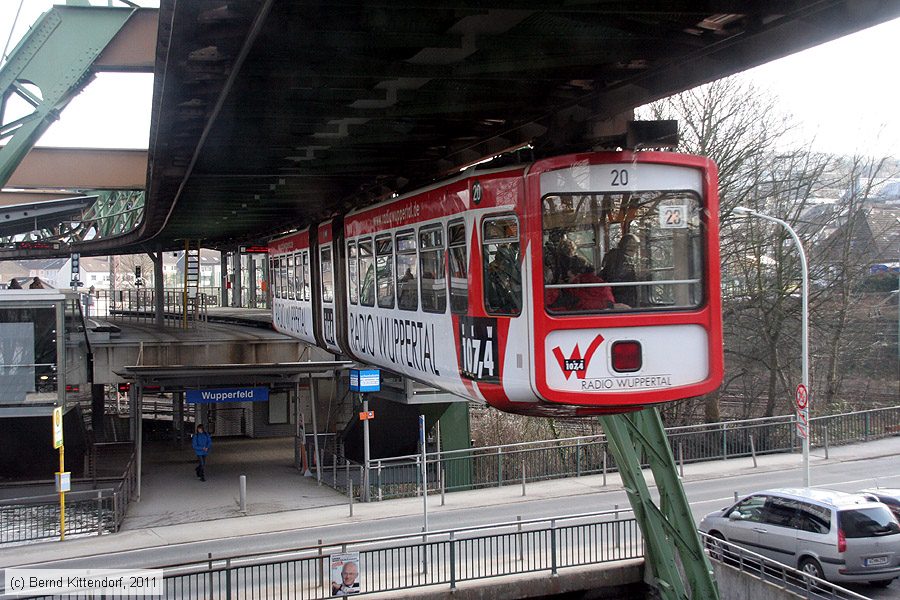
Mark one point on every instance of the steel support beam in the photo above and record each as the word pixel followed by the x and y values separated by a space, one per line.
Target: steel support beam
pixel 48 68
pixel 670 534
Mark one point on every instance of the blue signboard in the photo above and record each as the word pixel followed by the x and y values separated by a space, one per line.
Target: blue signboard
pixel 256 394
pixel 368 380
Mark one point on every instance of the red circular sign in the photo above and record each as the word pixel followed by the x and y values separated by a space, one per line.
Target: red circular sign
pixel 802 397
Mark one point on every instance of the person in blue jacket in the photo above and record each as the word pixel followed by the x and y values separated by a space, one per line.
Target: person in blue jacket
pixel 201 442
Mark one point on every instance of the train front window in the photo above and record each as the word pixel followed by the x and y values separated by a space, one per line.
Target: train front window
pixel 502 270
pixel 384 259
pixel 622 252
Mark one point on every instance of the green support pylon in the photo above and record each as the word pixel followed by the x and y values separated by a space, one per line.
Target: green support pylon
pixel 670 535
pixel 48 68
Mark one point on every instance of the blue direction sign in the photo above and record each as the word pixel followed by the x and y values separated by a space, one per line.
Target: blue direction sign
pixel 365 380
pixel 256 394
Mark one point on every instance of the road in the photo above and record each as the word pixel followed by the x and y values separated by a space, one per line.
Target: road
pixel 705 496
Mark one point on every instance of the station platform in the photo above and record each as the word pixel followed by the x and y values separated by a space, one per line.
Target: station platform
pixel 178 509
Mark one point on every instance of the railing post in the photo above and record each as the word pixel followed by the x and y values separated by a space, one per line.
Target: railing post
pixel 577 459
pixel 553 547
pixel 378 478
pixel 868 425
pixel 724 443
pixel 826 441
pixel 228 579
pixel 99 513
pixel 499 466
pixel 210 575
pixel 115 512
pixel 616 541
pixel 443 486
pixel 452 561
pixel 604 465
pixel 350 494
pixel 519 538
pixel 523 477
pixel 753 450
pixel 681 459
pixel 322 570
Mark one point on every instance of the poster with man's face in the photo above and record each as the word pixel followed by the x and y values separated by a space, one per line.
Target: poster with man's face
pixel 345 574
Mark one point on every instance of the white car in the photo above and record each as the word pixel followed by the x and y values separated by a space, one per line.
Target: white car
pixel 832 535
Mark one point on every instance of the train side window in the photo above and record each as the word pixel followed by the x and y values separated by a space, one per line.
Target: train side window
pixel 276 282
pixel 502 271
pixel 282 277
pixel 459 267
pixel 352 273
pixel 327 275
pixel 298 276
pixel 366 273
pixel 433 270
pixel 384 259
pixel 307 280
pixel 288 267
pixel 407 287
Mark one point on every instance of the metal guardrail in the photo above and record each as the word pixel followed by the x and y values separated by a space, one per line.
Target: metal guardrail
pixel 401 562
pixel 88 512
pixel 139 305
pixel 494 466
pixel 759 566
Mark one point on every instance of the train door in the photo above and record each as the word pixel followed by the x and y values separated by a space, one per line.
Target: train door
pixel 327 290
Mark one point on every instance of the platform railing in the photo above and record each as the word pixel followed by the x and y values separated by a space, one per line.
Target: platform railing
pixel 391 564
pixel 511 464
pixel 758 566
pixel 139 305
pixel 88 512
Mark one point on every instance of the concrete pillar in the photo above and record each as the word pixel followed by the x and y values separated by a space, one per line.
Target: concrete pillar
pixel 236 278
pixel 158 288
pixel 223 273
pixel 251 284
pixel 178 418
pixel 98 409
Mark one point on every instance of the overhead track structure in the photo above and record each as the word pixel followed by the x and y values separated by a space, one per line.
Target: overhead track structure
pixel 274 114
pixel 50 66
pixel 268 115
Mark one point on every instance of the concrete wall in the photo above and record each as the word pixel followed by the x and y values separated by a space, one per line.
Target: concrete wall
pixel 623 579
pixel 734 585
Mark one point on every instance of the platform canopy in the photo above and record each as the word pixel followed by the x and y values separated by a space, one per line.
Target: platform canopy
pixel 181 377
pixel 268 115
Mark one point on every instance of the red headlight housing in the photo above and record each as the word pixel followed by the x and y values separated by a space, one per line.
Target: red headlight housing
pixel 626 356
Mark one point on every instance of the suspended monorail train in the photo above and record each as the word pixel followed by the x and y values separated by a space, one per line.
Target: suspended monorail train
pixel 577 285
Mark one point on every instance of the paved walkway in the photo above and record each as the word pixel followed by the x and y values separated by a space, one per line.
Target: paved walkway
pixel 175 503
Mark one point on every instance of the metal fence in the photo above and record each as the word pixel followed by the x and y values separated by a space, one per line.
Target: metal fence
pixel 402 562
pixel 494 466
pixel 755 565
pixel 140 305
pixel 88 512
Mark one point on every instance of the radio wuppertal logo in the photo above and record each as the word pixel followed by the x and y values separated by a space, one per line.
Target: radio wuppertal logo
pixel 576 363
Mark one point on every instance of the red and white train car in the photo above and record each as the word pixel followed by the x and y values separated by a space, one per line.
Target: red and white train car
pixel 583 284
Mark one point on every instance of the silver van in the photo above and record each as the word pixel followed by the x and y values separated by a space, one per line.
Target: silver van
pixel 833 535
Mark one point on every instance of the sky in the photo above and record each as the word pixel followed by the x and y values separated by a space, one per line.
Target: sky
pixel 843 93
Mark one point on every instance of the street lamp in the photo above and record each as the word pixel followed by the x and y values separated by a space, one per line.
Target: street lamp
pixel 802 394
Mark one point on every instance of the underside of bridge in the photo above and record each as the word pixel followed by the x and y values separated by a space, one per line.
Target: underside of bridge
pixel 269 115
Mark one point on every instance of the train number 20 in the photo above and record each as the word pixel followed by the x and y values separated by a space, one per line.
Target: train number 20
pixel 619 177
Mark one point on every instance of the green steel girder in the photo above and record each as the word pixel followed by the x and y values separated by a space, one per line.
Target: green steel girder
pixel 55 57
pixel 115 212
pixel 670 534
